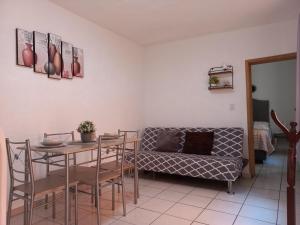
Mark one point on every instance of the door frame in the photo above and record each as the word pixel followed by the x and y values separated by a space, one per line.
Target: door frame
pixel 248 64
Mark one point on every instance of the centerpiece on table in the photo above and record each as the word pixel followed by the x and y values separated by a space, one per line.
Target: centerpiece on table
pixel 87 131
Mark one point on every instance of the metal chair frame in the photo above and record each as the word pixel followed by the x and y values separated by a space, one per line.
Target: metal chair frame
pixel 27 186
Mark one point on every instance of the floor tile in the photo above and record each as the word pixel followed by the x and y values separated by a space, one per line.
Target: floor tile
pixel 264 193
pixel 181 188
pixel 169 195
pixel 236 197
pixel 225 206
pixel 149 191
pixel 205 192
pixel 157 205
pixel 170 220
pixel 215 218
pixel 247 221
pixel 184 211
pixel 197 201
pixel 262 202
pixel 262 214
pixel 159 184
pixel 91 219
pixel 120 222
pixel 140 217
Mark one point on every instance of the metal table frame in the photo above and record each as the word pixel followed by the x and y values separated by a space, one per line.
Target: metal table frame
pixel 84 147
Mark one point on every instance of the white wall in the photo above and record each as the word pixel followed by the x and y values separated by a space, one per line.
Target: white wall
pixel 176 77
pixel 276 82
pixel 109 94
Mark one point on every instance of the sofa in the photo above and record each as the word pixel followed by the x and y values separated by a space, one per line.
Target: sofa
pixel 224 164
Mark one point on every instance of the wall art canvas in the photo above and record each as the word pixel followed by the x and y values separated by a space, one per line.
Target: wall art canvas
pixel 24 47
pixel 78 68
pixel 54 56
pixel 41 52
pixel 67 60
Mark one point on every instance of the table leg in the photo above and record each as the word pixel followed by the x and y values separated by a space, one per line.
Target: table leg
pixel 135 174
pixel 67 189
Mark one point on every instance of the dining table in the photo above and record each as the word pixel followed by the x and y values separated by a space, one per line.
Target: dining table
pixel 79 147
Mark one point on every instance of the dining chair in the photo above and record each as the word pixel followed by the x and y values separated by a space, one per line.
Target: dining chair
pixel 131 147
pixel 23 184
pixel 56 159
pixel 98 177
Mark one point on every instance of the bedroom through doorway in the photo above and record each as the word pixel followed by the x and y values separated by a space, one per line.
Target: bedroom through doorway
pixel 271 84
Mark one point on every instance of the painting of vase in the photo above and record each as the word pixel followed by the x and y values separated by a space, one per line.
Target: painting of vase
pixel 24 44
pixel 78 70
pixel 67 60
pixel 54 56
pixel 40 48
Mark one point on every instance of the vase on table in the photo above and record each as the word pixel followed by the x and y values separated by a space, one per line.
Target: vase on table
pixel 88 137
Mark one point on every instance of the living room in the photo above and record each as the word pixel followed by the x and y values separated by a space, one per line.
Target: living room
pixel 146 64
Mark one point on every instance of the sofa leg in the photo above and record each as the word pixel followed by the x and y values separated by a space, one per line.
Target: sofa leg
pixel 230 191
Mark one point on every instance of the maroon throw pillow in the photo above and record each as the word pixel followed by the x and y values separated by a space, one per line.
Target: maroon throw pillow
pixel 168 141
pixel 200 143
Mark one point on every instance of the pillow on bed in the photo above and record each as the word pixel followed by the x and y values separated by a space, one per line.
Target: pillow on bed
pixel 261 125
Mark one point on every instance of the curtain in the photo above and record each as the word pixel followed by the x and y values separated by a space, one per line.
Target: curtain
pixel 3 179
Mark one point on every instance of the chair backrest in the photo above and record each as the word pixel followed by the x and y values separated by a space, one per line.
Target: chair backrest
pixel 70 134
pixel 228 141
pixel 20 163
pixel 118 154
pixel 129 134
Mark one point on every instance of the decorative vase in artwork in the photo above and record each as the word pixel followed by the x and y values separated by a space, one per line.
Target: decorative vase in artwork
pixel 49 68
pixel 57 63
pixel 52 51
pixel 27 55
pixel 88 137
pixel 76 66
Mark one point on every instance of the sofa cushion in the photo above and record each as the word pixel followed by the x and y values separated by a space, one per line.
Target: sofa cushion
pixel 227 141
pixel 167 141
pixel 199 143
pixel 202 166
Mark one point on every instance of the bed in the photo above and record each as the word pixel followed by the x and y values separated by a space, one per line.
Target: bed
pixel 261 130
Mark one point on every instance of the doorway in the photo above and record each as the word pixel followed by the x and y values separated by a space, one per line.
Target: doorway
pixel 249 70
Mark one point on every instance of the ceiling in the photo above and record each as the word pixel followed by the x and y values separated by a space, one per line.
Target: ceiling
pixel 152 21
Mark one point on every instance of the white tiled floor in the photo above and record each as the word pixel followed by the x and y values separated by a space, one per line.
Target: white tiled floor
pixel 172 200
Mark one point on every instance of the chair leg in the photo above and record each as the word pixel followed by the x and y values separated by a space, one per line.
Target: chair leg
pixel 9 207
pixel 70 207
pixel 92 194
pixel 123 196
pixel 98 204
pixel 53 205
pixel 119 189
pixel 26 210
pixel 30 213
pixel 76 205
pixel 46 201
pixel 113 194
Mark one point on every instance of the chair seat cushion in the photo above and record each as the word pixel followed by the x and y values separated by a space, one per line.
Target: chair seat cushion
pixel 202 166
pixel 46 185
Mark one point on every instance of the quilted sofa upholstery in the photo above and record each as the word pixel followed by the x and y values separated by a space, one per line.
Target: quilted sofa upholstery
pixel 224 163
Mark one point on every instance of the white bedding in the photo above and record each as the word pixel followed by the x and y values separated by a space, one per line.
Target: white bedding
pixel 263 137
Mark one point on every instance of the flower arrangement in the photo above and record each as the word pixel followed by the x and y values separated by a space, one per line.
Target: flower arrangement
pixel 86 127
